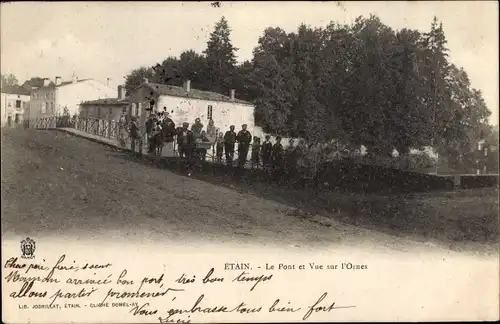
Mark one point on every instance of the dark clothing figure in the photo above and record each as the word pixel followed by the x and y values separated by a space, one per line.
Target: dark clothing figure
pixel 244 138
pixel 229 141
pixel 150 132
pixel 149 126
pixel 277 157
pixel 187 146
pixel 255 153
pixel 185 142
pixel 220 151
pixel 157 139
pixel 203 151
pixel 266 152
pixel 219 148
pixel 168 126
pixel 290 160
pixel 134 135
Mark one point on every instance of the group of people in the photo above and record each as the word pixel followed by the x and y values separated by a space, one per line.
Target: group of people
pixel 193 144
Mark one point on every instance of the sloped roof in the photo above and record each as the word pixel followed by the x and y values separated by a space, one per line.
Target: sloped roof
pixel 169 90
pixel 106 101
pixel 39 83
pixel 15 90
pixel 70 82
pixel 33 83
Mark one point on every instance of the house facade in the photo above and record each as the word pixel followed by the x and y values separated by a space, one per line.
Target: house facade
pixel 186 104
pixel 52 98
pixel 14 103
pixel 109 108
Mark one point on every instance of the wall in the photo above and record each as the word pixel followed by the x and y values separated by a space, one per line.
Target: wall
pixel 140 100
pixel 224 114
pixel 112 112
pixel 8 104
pixel 72 95
pixel 39 97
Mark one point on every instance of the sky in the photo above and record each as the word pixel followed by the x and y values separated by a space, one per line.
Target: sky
pixel 109 39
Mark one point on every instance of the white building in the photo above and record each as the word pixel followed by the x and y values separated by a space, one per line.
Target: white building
pixel 186 104
pixel 14 101
pixel 53 98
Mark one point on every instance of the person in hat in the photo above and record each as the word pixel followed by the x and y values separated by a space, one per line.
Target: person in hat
pixel 278 157
pixel 266 152
pixel 134 133
pixel 229 142
pixel 197 128
pixel 122 127
pixel 255 152
pixel 244 138
pixel 184 138
pixel 219 146
pixel 168 127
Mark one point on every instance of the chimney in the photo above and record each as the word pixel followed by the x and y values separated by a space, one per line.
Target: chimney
pixel 121 92
pixel 107 82
pixel 58 80
pixel 75 79
pixel 187 85
pixel 46 82
pixel 232 92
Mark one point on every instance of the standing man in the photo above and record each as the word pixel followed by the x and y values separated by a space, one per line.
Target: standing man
pixel 229 141
pixel 186 143
pixel 168 132
pixel 182 138
pixel 244 138
pixel 149 130
pixel 197 128
pixel 134 135
pixel 266 152
pixel 122 128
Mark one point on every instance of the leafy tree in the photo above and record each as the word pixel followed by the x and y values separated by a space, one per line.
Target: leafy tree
pixel 168 72
pixel 193 66
pixel 242 81
pixel 9 80
pixel 221 58
pixel 137 76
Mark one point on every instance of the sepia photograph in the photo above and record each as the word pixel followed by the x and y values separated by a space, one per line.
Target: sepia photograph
pixel 189 162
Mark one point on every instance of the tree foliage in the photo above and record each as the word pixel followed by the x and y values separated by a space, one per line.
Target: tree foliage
pixel 220 58
pixel 9 80
pixel 137 76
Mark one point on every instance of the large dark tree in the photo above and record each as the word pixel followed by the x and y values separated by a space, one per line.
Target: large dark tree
pixel 220 58
pixel 137 76
pixel 363 84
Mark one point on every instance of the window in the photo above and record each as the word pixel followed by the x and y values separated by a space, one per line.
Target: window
pixel 485 151
pixel 18 103
pixel 209 112
pixel 52 107
pixel 110 112
pixel 44 108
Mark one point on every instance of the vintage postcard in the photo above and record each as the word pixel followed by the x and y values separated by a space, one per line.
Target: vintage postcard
pixel 231 162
